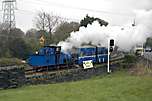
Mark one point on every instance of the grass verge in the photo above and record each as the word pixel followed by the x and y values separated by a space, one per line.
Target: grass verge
pixel 118 86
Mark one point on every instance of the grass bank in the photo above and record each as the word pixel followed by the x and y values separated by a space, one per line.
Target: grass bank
pixel 118 86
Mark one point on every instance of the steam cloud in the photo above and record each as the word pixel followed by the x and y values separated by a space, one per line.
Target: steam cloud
pixel 125 36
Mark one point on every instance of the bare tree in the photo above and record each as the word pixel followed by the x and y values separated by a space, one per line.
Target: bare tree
pixel 52 22
pixel 63 31
pixel 47 22
pixel 40 21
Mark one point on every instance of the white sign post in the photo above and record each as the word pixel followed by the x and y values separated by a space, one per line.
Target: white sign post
pixel 108 68
pixel 110 49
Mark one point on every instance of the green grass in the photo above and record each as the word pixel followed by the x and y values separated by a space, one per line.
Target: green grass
pixel 119 86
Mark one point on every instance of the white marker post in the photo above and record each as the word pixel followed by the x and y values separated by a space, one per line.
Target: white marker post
pixel 108 68
pixel 110 49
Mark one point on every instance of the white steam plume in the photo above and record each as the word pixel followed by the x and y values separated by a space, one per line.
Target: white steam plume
pixel 126 36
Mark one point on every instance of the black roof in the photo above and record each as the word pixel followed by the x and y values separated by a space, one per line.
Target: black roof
pixel 53 46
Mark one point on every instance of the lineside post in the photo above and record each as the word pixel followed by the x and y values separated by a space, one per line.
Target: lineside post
pixel 108 68
pixel 110 49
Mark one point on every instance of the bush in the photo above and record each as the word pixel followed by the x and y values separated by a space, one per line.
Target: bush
pixel 10 61
pixel 130 59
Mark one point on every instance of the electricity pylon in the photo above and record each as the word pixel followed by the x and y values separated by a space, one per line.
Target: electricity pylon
pixel 9 7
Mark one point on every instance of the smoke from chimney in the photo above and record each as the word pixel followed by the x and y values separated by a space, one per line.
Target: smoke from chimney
pixel 126 36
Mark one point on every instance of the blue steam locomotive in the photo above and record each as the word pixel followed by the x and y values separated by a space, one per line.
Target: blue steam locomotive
pixel 52 56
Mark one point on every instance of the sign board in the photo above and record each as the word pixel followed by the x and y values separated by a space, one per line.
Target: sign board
pixel 42 40
pixel 87 64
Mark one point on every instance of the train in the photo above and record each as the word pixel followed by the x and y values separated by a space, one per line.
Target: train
pixel 139 50
pixel 53 57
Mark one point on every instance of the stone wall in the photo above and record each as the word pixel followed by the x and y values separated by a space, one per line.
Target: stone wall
pixel 12 78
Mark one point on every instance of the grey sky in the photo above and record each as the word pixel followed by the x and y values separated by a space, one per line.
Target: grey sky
pixel 116 12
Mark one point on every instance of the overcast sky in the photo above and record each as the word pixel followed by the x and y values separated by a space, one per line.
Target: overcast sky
pixel 116 12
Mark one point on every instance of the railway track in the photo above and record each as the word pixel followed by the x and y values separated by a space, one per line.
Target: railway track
pixel 16 76
pixel 74 73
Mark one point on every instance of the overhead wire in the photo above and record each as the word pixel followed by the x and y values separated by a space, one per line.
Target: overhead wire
pixel 45 3
pixel 79 8
pixel 30 12
pixel 48 3
pixel 23 11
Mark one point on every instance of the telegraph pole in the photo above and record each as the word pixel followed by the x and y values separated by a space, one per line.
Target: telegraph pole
pixel 9 7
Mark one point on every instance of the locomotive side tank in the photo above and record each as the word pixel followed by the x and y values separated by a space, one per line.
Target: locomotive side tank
pixel 49 56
